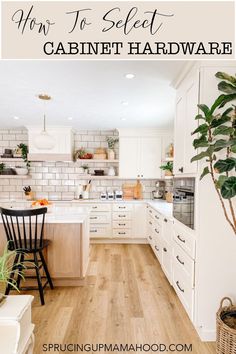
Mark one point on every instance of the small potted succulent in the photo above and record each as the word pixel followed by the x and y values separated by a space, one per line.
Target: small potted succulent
pixel 111 141
pixel 28 193
pixel 6 261
pixel 168 168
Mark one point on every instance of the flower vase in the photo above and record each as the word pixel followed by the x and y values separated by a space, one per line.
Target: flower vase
pixel 110 154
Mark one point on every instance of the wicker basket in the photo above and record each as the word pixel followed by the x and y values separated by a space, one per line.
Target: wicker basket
pixel 225 336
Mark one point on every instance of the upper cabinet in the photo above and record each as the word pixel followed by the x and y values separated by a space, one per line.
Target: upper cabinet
pixel 185 123
pixel 140 153
pixel 196 85
pixel 63 143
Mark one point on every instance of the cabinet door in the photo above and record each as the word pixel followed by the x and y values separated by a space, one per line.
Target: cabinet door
pixel 167 260
pixel 150 157
pixel 190 124
pixel 178 134
pixel 139 221
pixel 129 157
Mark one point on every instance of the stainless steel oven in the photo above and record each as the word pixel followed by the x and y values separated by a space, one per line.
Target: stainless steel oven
pixel 183 200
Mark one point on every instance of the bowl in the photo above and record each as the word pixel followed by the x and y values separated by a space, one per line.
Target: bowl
pixel 21 170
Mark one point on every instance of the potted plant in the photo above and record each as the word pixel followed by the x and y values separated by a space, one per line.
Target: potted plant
pixel 111 141
pixel 6 261
pixel 168 168
pixel 2 167
pixel 85 168
pixel 23 148
pixel 29 195
pixel 217 143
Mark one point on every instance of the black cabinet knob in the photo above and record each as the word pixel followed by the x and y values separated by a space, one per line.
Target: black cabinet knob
pixel 181 169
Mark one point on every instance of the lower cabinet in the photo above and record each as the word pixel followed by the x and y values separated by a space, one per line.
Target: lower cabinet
pixel 118 221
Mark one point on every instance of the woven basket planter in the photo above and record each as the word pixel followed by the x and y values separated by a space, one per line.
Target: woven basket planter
pixel 225 336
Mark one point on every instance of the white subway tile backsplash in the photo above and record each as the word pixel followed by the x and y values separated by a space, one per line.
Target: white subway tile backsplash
pixel 58 180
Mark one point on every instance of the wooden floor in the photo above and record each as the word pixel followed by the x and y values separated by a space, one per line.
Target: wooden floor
pixel 126 299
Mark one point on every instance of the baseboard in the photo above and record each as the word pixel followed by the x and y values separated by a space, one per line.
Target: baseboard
pixel 119 241
pixel 206 335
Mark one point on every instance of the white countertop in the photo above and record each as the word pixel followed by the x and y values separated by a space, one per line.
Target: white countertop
pixel 78 211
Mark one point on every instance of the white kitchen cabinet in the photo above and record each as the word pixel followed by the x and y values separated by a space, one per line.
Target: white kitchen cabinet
pixel 141 154
pixel 167 259
pixel 139 221
pixel 186 110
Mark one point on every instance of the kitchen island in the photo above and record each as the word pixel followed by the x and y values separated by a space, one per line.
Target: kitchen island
pixel 68 254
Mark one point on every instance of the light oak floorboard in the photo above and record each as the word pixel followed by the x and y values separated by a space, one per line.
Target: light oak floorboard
pixel 126 299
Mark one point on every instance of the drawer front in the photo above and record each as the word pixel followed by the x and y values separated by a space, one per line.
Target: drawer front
pixel 183 290
pixel 185 240
pixel 100 207
pixel 122 207
pixel 122 215
pixel 122 233
pixel 157 248
pixel 167 260
pixel 100 231
pixel 104 218
pixel 183 262
pixel 122 224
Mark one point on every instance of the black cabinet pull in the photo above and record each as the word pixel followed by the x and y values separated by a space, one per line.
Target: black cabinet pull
pixel 164 249
pixel 157 231
pixel 178 259
pixel 121 224
pixel 150 222
pixel 93 230
pixel 93 217
pixel 122 207
pixel 157 217
pixel 150 238
pixel 165 220
pixel 121 216
pixel 157 248
pixel 181 239
pixel 150 211
pixel 181 169
pixel 95 207
pixel 177 283
pixel 121 233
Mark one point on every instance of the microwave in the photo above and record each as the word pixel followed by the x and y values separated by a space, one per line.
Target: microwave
pixel 183 200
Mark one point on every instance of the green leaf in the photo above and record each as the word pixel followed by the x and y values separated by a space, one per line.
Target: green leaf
pixel 204 109
pixel 223 130
pixel 219 121
pixel 233 148
pixel 203 128
pixel 200 142
pixel 221 143
pixel 200 156
pixel 205 172
pixel 200 116
pixel 224 76
pixel 228 188
pixel 226 87
pixel 228 110
pixel 225 165
pixel 220 181
pixel 226 98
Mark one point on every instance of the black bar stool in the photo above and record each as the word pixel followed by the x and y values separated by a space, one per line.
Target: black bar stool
pixel 24 231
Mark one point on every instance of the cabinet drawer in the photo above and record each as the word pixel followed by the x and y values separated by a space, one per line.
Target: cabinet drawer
pixel 122 233
pixel 183 290
pixel 182 261
pixel 157 248
pixel 100 207
pixel 104 218
pixel 122 207
pixel 166 263
pixel 122 215
pixel 100 231
pixel 185 239
pixel 122 224
pixel 150 237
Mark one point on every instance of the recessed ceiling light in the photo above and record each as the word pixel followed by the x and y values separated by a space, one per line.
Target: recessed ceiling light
pixel 16 118
pixel 129 76
pixel 125 103
pixel 69 118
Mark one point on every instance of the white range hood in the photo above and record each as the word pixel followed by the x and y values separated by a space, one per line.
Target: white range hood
pixel 62 150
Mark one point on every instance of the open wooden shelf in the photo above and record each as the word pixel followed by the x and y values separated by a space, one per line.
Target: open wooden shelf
pixel 11 159
pixel 167 159
pixel 15 176
pixel 98 177
pixel 94 160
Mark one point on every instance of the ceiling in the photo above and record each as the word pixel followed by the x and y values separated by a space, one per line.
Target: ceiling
pixel 90 93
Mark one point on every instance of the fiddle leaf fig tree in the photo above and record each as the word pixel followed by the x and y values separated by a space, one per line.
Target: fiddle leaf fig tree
pixel 216 140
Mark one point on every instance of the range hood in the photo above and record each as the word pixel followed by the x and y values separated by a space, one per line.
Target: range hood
pixel 62 149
